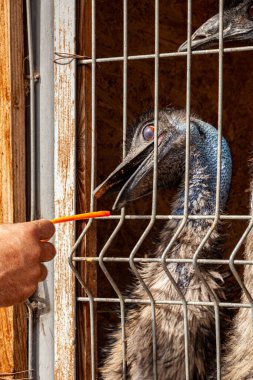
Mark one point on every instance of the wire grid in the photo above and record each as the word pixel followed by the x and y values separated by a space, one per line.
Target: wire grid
pixel 132 260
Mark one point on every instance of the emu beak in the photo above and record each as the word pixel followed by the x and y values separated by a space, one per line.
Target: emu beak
pixel 235 27
pixel 126 177
pixel 133 177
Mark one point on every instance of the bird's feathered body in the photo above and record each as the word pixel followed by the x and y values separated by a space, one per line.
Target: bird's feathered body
pixel 169 318
pixel 237 362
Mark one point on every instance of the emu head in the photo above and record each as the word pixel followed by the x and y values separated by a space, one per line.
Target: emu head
pixel 237 25
pixel 133 178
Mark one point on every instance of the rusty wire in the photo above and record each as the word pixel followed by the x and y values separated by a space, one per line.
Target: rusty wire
pixel 63 58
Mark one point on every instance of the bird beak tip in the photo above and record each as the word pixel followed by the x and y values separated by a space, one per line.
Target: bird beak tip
pixel 119 203
pixel 98 192
pixel 183 47
pixel 116 207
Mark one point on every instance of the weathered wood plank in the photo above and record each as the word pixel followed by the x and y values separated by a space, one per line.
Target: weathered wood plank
pixel 89 245
pixel 6 196
pixel 13 330
pixel 18 108
pixel 65 140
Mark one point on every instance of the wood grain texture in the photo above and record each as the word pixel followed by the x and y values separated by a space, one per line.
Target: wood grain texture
pixel 88 246
pixel 65 142
pixel 6 197
pixel 13 330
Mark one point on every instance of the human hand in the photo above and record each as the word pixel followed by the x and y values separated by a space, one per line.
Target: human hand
pixel 23 249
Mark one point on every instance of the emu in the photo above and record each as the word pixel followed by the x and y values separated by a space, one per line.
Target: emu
pixel 237 25
pixel 132 179
pixel 237 361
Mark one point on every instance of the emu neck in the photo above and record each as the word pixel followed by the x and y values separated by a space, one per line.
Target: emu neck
pixel 203 173
pixel 202 199
pixel 202 189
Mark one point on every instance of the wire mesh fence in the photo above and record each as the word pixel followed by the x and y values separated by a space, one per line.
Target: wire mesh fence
pixel 165 260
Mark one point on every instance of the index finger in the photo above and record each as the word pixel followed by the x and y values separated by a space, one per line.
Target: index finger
pixel 45 229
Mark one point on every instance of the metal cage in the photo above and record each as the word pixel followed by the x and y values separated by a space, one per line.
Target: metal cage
pixel 77 68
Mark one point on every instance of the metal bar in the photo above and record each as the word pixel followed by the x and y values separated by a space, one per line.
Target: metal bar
pixel 101 257
pixel 157 260
pixel 187 167
pixel 186 193
pixel 30 339
pixel 176 217
pixel 154 193
pixel 232 305
pixel 122 216
pixel 166 55
pixel 218 186
pixel 93 102
pixel 93 161
pixel 87 291
pixel 217 203
pixel 155 174
pixel 125 72
pixel 32 157
pixel 125 87
pixel 101 260
pixel 32 114
pixel 93 157
pixel 232 262
pixel 43 32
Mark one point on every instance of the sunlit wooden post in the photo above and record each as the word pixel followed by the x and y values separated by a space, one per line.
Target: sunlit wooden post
pixel 13 323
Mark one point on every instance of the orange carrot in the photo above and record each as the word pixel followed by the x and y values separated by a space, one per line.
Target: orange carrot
pixel 87 215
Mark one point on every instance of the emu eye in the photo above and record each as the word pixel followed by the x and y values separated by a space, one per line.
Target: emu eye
pixel 250 11
pixel 148 132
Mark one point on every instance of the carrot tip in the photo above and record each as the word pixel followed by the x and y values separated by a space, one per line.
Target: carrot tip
pixel 87 215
